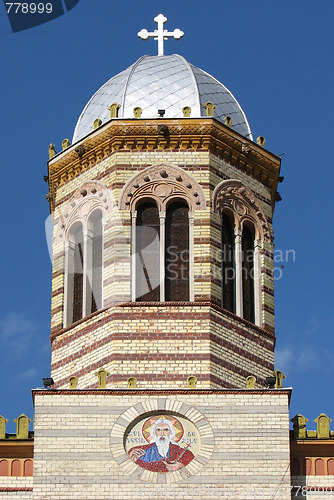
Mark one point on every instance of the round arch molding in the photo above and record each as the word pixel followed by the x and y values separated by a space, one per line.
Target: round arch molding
pixel 233 196
pixel 90 196
pixel 162 182
pixel 159 407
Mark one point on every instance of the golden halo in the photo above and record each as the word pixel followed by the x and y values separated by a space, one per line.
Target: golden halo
pixel 151 421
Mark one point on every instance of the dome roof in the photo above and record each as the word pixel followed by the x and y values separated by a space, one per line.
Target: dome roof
pixel 161 82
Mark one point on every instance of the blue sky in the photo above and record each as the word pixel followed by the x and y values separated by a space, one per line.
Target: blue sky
pixel 276 58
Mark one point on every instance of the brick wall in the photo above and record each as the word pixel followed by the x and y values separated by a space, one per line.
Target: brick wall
pixel 162 345
pixel 79 445
pixel 114 172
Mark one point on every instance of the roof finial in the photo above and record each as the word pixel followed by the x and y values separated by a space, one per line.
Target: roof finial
pixel 160 34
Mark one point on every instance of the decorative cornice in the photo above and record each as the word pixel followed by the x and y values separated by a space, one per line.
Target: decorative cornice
pixel 191 134
pixel 300 444
pixel 156 392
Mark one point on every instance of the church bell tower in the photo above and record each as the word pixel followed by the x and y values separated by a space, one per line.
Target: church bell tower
pixel 162 327
pixel 163 240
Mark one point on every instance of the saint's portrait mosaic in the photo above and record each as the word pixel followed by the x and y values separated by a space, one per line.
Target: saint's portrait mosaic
pixel 163 443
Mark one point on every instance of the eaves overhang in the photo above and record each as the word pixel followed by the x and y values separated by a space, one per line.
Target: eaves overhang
pixel 182 134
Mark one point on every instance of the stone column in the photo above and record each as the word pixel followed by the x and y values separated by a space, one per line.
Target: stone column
pixel 191 258
pixel 257 282
pixel 87 272
pixel 162 216
pixel 133 255
pixel 238 272
pixel 68 282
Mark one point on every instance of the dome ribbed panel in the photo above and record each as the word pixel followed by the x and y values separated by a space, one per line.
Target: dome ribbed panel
pixel 161 82
pixel 211 90
pixel 97 107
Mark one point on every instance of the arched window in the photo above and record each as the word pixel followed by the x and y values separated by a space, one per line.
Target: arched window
pixel 319 467
pixel 80 228
pixel 228 264
pixel 240 268
pixel 75 273
pixel 83 293
pixel 28 468
pixel 177 252
pixel 4 468
pixel 308 467
pixel 248 274
pixel 95 270
pixel 244 230
pixel 330 466
pixel 16 468
pixel 160 252
pixel 147 263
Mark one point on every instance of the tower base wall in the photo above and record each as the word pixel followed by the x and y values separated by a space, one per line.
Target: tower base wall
pixel 234 444
pixel 162 344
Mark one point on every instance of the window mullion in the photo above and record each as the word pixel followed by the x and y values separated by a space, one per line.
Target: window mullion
pixel 162 218
pixel 238 272
pixel 68 292
pixel 191 258
pixel 257 282
pixel 87 272
pixel 133 255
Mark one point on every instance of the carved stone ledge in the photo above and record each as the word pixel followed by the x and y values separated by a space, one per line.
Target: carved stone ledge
pixel 196 134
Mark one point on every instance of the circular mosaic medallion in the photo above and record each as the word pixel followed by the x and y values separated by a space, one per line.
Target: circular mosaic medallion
pixel 161 440
pixel 162 443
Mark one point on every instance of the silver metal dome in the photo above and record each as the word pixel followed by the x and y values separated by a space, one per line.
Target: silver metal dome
pixel 162 82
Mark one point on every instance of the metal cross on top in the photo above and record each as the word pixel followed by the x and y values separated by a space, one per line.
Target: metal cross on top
pixel 160 34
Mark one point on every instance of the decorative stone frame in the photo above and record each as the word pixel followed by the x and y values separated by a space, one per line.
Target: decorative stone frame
pixel 87 200
pixel 240 203
pixel 150 407
pixel 163 183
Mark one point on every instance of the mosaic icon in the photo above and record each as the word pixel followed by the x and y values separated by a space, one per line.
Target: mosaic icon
pixel 172 443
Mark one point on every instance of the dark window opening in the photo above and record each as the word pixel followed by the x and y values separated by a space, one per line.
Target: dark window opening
pixel 148 253
pixel 177 253
pixel 77 277
pixel 248 274
pixel 228 265
pixel 96 289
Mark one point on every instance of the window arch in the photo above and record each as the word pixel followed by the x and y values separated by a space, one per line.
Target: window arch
pixel 83 235
pixel 177 195
pixel 94 264
pixel 161 235
pixel 228 263
pixel 248 273
pixel 83 254
pixel 177 252
pixel 75 272
pixel 243 231
pixel 240 269
pixel 147 284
